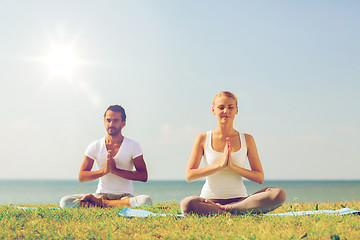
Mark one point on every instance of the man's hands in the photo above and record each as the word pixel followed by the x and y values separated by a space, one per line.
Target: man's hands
pixel 140 174
pixel 110 165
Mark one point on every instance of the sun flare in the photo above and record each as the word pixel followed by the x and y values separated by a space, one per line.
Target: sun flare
pixel 61 61
pixel 63 67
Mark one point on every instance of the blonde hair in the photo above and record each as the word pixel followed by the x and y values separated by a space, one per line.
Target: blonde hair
pixel 227 94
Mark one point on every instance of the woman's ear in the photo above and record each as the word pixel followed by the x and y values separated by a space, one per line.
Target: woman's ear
pixel 213 110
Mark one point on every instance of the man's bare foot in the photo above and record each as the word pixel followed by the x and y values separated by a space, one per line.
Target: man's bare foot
pixel 90 200
pixel 123 202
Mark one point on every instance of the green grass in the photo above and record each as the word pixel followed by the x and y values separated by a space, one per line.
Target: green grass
pixel 94 223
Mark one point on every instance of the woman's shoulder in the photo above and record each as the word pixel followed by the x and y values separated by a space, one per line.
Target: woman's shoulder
pixel 201 139
pixel 201 136
pixel 249 138
pixel 247 135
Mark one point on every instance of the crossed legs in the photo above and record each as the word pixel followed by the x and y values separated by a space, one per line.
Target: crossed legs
pixel 262 201
pixel 90 200
pixel 105 200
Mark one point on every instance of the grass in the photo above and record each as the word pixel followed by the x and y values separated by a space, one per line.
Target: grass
pixel 95 223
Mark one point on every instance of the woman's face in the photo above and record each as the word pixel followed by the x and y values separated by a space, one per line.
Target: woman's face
pixel 225 108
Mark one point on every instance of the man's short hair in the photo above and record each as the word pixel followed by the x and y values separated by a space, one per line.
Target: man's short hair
pixel 117 108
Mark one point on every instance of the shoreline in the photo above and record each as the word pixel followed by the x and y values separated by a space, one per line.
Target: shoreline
pixel 51 191
pixel 175 202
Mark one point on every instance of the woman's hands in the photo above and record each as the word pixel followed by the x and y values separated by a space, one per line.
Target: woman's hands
pixel 225 160
pixel 256 174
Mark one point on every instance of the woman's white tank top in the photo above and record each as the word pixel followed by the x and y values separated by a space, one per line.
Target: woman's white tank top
pixel 225 183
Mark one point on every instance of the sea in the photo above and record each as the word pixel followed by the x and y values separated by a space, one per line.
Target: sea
pixel 50 191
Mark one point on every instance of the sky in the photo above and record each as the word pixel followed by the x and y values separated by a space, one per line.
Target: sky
pixel 294 66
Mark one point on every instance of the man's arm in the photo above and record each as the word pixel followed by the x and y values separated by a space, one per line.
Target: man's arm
pixel 140 174
pixel 86 174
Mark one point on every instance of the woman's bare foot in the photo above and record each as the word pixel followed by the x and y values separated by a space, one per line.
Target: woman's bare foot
pixel 218 205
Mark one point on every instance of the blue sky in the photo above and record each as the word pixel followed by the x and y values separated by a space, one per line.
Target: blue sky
pixel 294 66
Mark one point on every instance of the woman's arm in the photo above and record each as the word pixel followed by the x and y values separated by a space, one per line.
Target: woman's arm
pixel 256 174
pixel 193 172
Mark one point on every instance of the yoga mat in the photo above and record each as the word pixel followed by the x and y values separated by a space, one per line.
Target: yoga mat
pixel 342 211
pixel 128 212
pixel 26 208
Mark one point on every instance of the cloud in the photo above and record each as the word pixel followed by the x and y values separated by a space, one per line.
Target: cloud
pixel 22 125
pixel 169 135
pixel 349 130
pixel 312 138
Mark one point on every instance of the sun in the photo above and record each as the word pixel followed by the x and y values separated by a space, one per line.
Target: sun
pixel 61 61
pixel 65 69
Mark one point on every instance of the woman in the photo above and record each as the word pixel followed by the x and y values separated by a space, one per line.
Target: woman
pixel 225 151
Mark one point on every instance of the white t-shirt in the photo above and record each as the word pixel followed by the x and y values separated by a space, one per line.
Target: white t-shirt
pixel 111 183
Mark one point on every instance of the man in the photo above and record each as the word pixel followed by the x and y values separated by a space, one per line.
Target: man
pixel 115 157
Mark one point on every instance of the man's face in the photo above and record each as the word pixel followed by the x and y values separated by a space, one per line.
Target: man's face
pixel 113 123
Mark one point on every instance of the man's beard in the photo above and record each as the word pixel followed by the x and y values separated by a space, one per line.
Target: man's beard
pixel 114 131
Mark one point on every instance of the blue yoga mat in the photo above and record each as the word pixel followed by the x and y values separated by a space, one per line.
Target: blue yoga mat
pixel 128 212
pixel 26 208
pixel 342 211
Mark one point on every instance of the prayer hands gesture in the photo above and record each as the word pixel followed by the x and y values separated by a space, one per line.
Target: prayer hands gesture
pixel 110 163
pixel 225 161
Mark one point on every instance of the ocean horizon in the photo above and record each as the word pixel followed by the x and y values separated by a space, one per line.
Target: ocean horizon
pixel 23 191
